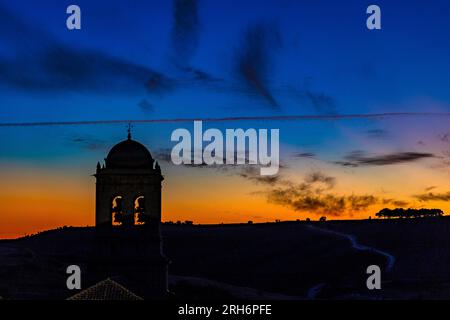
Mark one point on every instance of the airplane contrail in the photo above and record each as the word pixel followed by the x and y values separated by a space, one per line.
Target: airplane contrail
pixel 224 119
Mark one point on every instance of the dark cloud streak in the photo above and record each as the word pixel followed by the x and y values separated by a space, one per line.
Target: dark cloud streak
pixel 318 176
pixel 185 30
pixel 87 142
pixel 430 196
pixel 304 155
pixel 254 59
pixel 302 198
pixel 49 65
pixel 146 106
pixel 359 158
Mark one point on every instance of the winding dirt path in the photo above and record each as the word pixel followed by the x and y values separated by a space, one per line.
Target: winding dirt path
pixel 314 291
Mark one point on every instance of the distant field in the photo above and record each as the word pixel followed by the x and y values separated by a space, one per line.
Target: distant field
pixel 286 259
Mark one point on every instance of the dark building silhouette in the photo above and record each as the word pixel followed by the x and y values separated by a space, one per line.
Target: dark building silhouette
pixel 127 218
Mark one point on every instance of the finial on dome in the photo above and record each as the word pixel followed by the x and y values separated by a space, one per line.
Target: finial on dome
pixel 129 131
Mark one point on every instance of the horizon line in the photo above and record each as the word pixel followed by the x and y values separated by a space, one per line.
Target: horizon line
pixel 218 224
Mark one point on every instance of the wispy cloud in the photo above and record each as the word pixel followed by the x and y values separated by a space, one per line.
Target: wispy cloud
pixel 20 35
pixel 397 203
pixel 322 103
pixel 302 198
pixel 318 176
pixel 444 137
pixel 359 158
pixel 87 142
pixel 50 65
pixel 252 173
pixel 311 196
pixel 247 171
pixel 146 106
pixel 203 77
pixel 254 59
pixel 377 134
pixel 185 30
pixel 430 196
pixel 304 155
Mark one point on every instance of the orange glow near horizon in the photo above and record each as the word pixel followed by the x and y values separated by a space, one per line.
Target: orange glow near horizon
pixel 36 199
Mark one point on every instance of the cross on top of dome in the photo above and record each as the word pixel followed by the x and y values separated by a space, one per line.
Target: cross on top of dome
pixel 129 131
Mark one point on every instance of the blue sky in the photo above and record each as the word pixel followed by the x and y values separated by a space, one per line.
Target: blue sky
pixel 321 47
pixel 220 58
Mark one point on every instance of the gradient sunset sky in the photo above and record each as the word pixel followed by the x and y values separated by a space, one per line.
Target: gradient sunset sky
pixel 210 59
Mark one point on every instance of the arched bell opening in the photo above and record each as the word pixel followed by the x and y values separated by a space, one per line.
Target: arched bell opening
pixel 139 211
pixel 117 210
pixel 119 216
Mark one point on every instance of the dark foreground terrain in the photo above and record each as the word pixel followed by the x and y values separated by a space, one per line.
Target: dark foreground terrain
pixel 292 260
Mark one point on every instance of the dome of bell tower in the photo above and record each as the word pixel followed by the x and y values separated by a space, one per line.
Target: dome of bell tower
pixel 129 154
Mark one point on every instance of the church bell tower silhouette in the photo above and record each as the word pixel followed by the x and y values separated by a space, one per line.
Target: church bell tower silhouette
pixel 128 243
